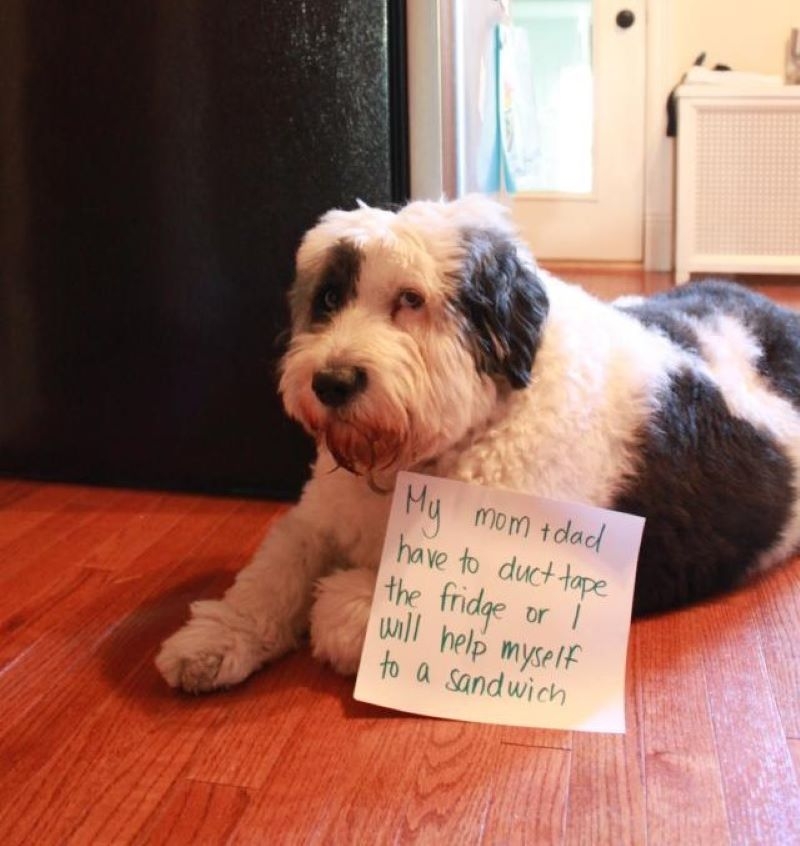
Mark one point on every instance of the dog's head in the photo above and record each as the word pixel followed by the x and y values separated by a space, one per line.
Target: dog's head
pixel 407 328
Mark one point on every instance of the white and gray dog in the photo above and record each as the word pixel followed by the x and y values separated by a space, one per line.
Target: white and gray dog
pixel 428 339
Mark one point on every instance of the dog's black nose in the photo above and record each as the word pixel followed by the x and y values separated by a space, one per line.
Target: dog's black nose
pixel 338 385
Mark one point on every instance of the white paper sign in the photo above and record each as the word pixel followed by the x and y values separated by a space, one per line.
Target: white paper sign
pixel 497 607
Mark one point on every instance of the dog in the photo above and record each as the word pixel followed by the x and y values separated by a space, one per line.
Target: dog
pixel 429 339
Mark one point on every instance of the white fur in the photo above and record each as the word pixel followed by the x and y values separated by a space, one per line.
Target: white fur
pixel 571 434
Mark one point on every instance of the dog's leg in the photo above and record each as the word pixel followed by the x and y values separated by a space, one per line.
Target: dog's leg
pixel 260 617
pixel 339 618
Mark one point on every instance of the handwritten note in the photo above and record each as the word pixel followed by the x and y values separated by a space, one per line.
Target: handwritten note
pixel 493 606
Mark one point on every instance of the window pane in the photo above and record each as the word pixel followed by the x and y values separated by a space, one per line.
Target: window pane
pixel 551 60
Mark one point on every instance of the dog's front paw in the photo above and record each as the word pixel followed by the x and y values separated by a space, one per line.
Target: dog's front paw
pixel 339 618
pixel 217 648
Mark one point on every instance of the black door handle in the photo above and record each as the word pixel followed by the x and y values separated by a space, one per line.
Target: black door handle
pixel 625 18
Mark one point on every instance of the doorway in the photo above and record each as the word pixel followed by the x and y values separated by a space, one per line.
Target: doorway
pixel 601 215
pixel 582 194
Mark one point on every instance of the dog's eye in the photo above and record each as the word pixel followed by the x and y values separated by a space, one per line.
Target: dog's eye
pixel 330 298
pixel 410 299
pixel 328 301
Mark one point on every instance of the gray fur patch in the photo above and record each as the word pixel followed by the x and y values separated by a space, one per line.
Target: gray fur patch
pixel 503 304
pixel 776 330
pixel 314 300
pixel 716 493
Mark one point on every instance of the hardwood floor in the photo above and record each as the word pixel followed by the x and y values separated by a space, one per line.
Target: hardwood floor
pixel 95 749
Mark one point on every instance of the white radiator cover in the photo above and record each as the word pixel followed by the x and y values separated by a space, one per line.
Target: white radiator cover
pixel 738 180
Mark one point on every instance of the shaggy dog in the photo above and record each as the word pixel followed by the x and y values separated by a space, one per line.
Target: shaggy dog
pixel 428 339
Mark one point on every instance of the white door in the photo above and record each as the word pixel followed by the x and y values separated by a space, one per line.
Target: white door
pixel 581 195
pixel 581 124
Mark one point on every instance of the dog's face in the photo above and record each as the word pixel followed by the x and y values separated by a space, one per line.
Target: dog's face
pixel 406 328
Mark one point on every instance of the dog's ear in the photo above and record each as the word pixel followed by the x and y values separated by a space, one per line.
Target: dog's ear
pixel 503 303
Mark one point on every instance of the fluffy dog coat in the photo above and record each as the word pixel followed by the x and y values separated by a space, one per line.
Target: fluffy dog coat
pixel 428 339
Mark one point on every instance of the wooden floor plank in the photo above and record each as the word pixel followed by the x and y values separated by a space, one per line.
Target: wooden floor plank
pixel 95 515
pixel 778 602
pixel 38 520
pixel 121 547
pixel 114 784
pixel 121 752
pixel 60 630
pixel 761 792
pixel 194 812
pixel 276 698
pixel 380 778
pixel 606 787
pixel 101 635
pixel 41 563
pixel 685 800
pixel 443 784
pixel 57 571
pixel 14 489
pixel 794 748
pixel 529 796
pixel 86 756
pixel 125 794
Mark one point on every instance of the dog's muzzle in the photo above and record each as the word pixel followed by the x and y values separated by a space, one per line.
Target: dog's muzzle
pixel 336 386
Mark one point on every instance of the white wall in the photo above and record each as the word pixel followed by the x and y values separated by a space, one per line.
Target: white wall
pixel 749 35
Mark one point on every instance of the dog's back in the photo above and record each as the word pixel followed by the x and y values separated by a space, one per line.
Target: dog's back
pixel 719 458
pixel 686 313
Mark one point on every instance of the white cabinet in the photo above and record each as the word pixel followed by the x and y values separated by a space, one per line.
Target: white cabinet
pixel 738 180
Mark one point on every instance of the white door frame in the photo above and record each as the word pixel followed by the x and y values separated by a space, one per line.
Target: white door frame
pixel 432 120
pixel 659 150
